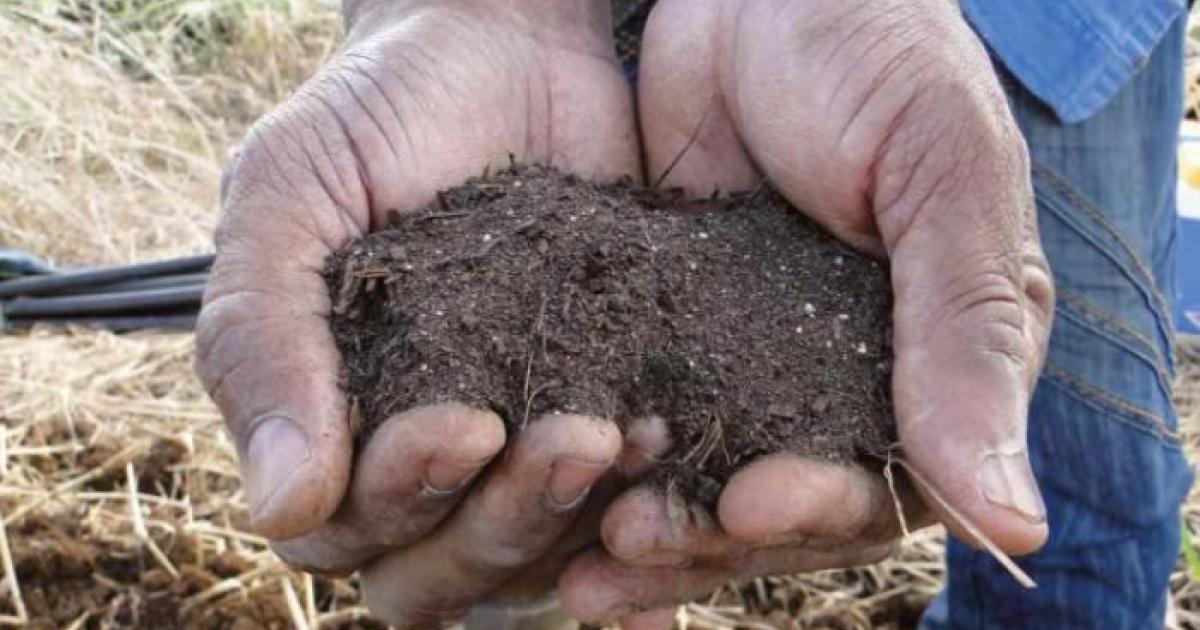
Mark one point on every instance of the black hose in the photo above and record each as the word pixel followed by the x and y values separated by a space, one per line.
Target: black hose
pixel 102 303
pixel 90 278
pixel 140 284
pixel 15 263
pixel 118 323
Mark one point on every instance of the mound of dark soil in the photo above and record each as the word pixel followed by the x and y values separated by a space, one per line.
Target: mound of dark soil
pixel 744 325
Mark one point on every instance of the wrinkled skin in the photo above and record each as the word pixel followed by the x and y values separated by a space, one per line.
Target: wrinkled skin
pixel 881 119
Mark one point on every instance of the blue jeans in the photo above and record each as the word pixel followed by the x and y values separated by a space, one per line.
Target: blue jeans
pixel 1102 426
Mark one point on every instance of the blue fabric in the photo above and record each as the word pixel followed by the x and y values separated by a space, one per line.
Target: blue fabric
pixel 1073 54
pixel 1102 427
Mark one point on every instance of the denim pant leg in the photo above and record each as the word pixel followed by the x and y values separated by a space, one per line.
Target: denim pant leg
pixel 1102 427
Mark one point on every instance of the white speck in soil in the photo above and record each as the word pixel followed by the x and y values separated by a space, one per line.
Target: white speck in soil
pixel 809 309
pixel 862 347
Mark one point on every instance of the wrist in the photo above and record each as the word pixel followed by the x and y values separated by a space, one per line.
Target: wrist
pixel 564 18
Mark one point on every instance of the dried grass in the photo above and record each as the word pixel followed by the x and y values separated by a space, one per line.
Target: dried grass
pixel 114 471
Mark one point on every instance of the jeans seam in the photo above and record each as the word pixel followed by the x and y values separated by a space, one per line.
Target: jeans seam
pixel 1151 423
pixel 1097 321
pixel 1145 282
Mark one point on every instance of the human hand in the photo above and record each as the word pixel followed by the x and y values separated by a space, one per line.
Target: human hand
pixel 885 122
pixel 422 95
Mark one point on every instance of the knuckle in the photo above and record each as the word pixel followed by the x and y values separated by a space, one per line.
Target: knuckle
pixel 504 551
pixel 991 308
pixel 1039 284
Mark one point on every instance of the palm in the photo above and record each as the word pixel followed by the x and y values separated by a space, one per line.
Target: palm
pixel 439 97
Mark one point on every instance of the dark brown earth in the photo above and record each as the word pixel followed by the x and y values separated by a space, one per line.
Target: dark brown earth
pixel 744 325
pixel 72 575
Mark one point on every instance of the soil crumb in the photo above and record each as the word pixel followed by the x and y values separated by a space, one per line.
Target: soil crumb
pixel 744 325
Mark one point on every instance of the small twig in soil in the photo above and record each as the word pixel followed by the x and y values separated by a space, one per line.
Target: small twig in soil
pixel 484 249
pixel 441 215
pixel 346 291
pixel 760 189
pixel 529 402
pixel 478 254
pixel 678 157
pixel 714 435
pixel 537 330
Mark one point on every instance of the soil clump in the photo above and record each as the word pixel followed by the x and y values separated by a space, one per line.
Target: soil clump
pixel 744 325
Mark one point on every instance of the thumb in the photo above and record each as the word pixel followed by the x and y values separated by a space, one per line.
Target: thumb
pixel 973 305
pixel 968 342
pixel 264 350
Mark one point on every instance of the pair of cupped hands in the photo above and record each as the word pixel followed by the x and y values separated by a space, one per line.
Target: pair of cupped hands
pixel 881 119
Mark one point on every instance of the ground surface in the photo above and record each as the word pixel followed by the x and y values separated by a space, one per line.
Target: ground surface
pixel 746 326
pixel 114 473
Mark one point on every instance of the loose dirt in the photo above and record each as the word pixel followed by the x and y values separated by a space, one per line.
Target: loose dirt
pixel 744 325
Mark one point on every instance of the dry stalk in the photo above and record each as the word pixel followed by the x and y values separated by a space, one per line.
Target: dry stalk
pixel 1007 562
pixel 299 619
pixel 891 482
pixel 139 523
pixel 10 577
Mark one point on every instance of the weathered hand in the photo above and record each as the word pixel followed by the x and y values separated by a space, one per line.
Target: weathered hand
pixel 422 95
pixel 885 122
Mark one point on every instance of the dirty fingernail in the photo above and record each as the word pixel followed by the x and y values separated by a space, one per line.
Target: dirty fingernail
pixel 446 477
pixel 570 480
pixel 276 449
pixel 1007 482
